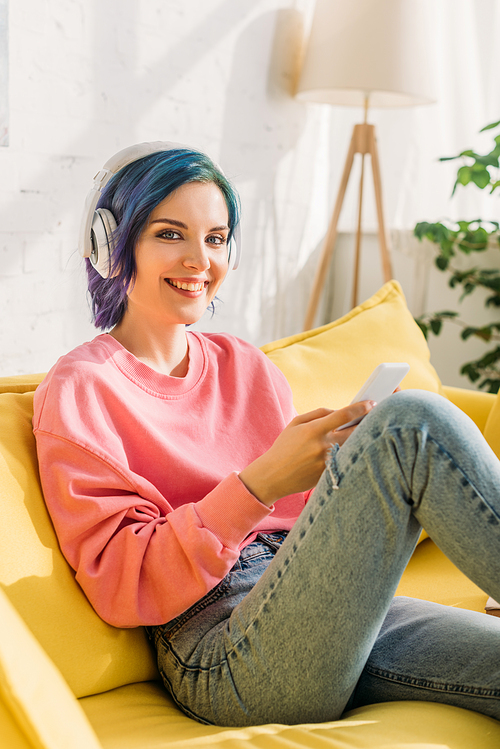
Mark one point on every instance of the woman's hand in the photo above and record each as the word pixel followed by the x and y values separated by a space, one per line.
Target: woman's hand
pixel 296 460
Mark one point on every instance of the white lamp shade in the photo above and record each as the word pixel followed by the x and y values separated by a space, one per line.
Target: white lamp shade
pixel 379 48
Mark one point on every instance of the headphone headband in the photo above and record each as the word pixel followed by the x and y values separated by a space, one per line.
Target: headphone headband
pixel 114 164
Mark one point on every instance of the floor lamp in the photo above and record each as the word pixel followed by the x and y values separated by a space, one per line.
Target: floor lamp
pixel 369 53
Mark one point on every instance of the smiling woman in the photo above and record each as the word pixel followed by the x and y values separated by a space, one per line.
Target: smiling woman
pixel 178 273
pixel 189 497
pixel 130 197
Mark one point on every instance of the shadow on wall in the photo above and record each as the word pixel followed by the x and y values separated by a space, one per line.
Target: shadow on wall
pixel 262 124
pixel 263 118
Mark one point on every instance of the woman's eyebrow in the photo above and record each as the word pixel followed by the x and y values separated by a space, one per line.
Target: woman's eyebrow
pixel 182 225
pixel 169 221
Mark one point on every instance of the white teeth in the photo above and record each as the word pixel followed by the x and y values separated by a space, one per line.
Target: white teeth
pixel 187 286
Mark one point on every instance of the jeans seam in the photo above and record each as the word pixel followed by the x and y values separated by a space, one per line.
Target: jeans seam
pixel 213 595
pixel 231 653
pixel 321 501
pixel 242 564
pixel 179 704
pixel 336 476
pixel 465 480
pixel 435 686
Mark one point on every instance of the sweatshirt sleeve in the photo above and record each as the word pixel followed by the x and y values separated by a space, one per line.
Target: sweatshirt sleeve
pixel 138 560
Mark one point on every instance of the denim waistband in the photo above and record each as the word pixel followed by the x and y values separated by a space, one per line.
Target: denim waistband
pixel 253 559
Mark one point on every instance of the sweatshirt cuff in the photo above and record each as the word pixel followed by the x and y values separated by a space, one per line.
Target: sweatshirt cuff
pixel 230 511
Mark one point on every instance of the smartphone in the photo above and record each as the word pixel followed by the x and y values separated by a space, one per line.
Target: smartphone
pixel 381 383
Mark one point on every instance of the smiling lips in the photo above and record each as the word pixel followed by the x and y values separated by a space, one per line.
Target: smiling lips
pixel 185 286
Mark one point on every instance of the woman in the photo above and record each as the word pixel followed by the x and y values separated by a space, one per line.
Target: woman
pixel 261 550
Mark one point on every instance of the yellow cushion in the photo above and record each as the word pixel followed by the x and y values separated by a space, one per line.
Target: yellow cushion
pixel 476 404
pixel 20 383
pixel 11 734
pixel 492 428
pixel 91 655
pixel 432 577
pixel 328 365
pixel 37 708
pixel 142 715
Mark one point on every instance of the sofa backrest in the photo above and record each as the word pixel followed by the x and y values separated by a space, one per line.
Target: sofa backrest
pixel 91 655
pixel 328 365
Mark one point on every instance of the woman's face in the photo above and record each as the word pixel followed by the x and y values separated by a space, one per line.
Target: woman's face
pixel 181 256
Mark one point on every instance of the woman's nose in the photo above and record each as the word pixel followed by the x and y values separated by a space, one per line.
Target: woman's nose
pixel 197 255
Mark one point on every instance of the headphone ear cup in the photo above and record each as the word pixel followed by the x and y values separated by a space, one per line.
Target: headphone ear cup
pixel 234 253
pixel 103 227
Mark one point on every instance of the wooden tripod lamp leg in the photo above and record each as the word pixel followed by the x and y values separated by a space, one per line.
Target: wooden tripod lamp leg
pixel 363 141
pixel 382 236
pixel 357 253
pixel 329 242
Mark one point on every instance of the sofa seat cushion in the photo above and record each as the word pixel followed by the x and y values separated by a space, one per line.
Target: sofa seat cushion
pixel 91 655
pixel 142 716
pixel 328 365
pixel 431 576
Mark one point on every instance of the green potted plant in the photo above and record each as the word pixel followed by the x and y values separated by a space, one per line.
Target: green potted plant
pixel 469 238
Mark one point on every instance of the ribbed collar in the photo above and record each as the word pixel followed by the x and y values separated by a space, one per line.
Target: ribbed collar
pixel 154 382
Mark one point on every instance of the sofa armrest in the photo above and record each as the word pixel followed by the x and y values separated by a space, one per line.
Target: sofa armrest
pixel 476 404
pixel 37 708
pixel 20 383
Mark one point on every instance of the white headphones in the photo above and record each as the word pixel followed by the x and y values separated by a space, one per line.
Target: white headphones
pixel 98 224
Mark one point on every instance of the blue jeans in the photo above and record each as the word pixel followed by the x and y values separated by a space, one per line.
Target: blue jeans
pixel 305 628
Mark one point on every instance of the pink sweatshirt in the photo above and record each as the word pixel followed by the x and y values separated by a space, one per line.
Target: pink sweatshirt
pixel 140 470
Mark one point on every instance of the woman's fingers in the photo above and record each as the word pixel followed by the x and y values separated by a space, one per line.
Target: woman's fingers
pixel 309 416
pixel 325 420
pixel 296 460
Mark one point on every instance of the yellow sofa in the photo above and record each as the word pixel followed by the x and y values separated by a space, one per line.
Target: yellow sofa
pixel 70 681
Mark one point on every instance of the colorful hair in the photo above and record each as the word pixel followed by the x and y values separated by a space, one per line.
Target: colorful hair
pixel 131 195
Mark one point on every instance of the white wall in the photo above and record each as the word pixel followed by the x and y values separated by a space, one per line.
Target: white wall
pixel 88 77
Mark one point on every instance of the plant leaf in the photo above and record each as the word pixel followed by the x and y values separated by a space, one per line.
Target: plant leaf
pixel 480 178
pixel 447 313
pixel 442 262
pixel 490 127
pixel 423 327
pixel 471 372
pixel 436 326
pixel 493 385
pixel 467 333
pixel 464 175
pixel 490 159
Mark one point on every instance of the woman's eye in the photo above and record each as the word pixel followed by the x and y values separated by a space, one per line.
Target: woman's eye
pixel 217 239
pixel 169 234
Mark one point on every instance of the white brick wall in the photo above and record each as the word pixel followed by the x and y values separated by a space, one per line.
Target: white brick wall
pixel 86 79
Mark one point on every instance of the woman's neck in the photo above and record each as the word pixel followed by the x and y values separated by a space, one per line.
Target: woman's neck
pixel 164 350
